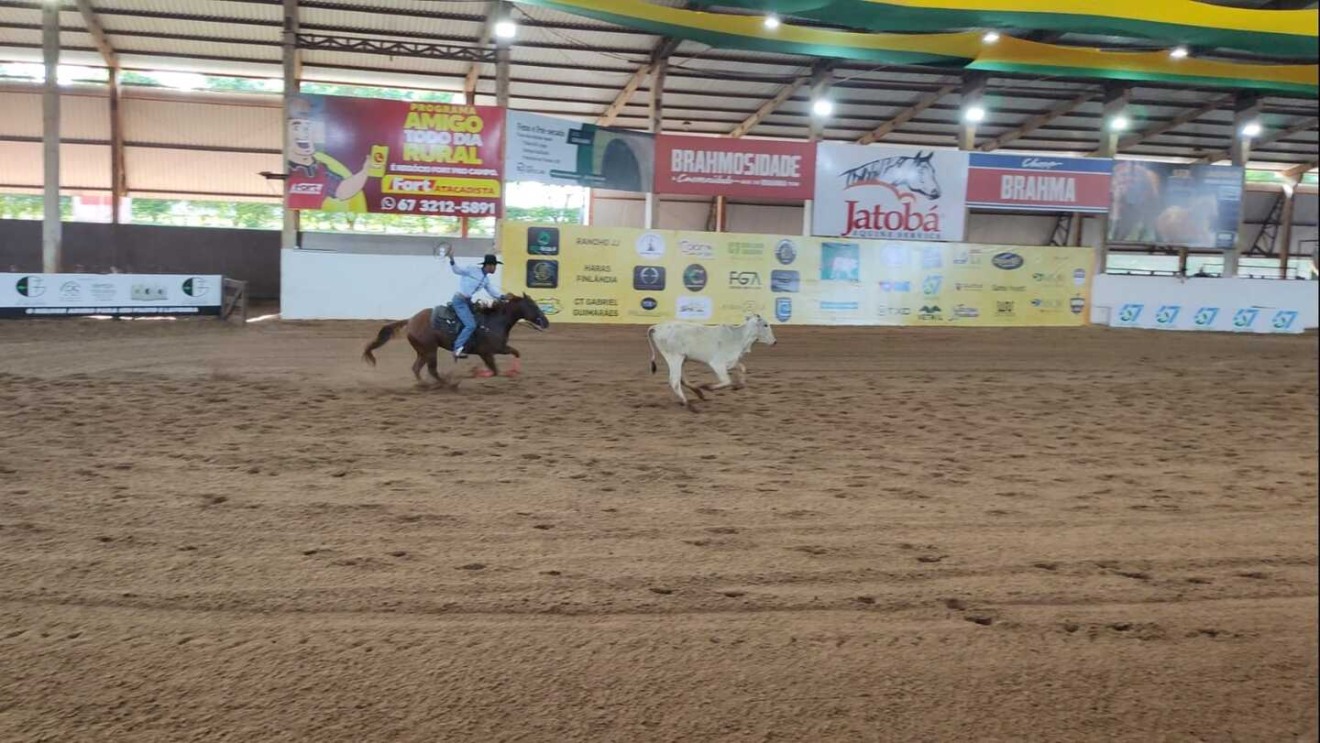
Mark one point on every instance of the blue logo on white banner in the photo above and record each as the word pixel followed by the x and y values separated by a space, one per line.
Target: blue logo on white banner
pixel 1205 317
pixel 1244 319
pixel 1167 314
pixel 931 285
pixel 1130 313
pixel 1284 319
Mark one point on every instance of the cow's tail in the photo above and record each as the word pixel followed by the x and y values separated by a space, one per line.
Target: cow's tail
pixel 383 337
pixel 650 338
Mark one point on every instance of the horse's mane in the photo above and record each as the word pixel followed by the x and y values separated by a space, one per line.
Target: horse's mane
pixel 494 307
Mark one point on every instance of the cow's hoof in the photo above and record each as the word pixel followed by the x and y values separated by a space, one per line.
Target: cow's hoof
pixel 512 373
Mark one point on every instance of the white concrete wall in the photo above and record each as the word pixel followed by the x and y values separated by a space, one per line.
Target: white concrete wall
pixel 317 285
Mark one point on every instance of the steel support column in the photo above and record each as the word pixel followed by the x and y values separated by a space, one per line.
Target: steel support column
pixel 1246 110
pixel 292 85
pixel 52 231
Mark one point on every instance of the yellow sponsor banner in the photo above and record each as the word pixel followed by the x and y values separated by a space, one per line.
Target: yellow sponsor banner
pixel 631 276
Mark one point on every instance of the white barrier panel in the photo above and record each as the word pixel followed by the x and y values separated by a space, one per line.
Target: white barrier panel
pixel 1231 305
pixel 360 286
pixel 118 294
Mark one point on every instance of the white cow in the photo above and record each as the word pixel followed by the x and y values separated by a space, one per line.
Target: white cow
pixel 721 347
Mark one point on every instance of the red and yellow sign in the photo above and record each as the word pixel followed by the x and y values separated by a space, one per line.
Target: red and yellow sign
pixel 394 157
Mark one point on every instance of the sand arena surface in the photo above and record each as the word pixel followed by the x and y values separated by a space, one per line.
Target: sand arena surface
pixel 213 533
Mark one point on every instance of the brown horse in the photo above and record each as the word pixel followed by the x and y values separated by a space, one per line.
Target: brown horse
pixel 492 337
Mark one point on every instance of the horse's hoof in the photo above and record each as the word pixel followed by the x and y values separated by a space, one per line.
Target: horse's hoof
pixel 512 373
pixel 483 373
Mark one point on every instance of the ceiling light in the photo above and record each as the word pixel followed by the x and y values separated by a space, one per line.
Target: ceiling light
pixel 771 22
pixel 506 29
pixel 822 107
pixel 974 114
pixel 1179 52
pixel 1252 129
pixel 1119 123
pixel 990 37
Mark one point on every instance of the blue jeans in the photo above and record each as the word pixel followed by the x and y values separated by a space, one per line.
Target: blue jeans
pixel 463 311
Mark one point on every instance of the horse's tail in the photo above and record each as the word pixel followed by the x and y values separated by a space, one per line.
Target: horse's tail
pixel 383 337
pixel 650 338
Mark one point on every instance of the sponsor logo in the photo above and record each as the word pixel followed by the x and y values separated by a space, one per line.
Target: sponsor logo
pixel 1244 319
pixel 1038 163
pixel 967 257
pixel 840 262
pixel 746 250
pixel 543 274
pixel 1130 313
pixel 964 311
pixel 695 249
pixel 1079 277
pixel 1007 261
pixel 597 273
pixel 31 286
pixel 1047 304
pixel 305 189
pixel 932 258
pixel 896 286
pixel 931 285
pixel 1167 314
pixel 651 246
pixel 744 280
pixel 148 293
pixel 543 241
pixel 1205 317
pixel 889 311
pixel 197 287
pixel 549 305
pixel 1076 305
pixel 694 308
pixel 836 306
pixel 70 291
pixel 786 252
pixel 595 307
pixel 1054 277
pixel 930 312
pixel 1007 288
pixel 648 277
pixel 895 256
pixel 783 308
pixel 649 303
pixel 964 287
pixel 1283 319
pixel 902 179
pixel 1005 309
pixel 694 277
pixel 785 282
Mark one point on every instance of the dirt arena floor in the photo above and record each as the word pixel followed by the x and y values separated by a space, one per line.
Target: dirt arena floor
pixel 212 533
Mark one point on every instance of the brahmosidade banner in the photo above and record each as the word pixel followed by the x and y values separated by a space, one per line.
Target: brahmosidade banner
pixel 899 193
pixel 1176 204
pixel 545 149
pixel 394 157
pixel 621 275
pixel 735 167
pixel 1038 183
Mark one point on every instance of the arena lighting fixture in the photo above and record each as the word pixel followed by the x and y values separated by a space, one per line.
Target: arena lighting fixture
pixel 822 107
pixel 974 114
pixel 990 37
pixel 771 22
pixel 1251 130
pixel 1179 52
pixel 1119 123
pixel 506 29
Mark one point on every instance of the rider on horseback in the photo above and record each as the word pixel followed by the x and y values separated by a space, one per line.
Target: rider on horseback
pixel 471 280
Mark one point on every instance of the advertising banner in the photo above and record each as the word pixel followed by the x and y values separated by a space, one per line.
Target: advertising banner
pixel 897 193
pixel 394 157
pixel 735 167
pixel 120 294
pixel 619 275
pixel 1039 183
pixel 1236 305
pixel 562 152
pixel 1176 204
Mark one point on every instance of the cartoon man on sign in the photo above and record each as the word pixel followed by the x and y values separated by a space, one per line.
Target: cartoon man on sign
pixel 317 180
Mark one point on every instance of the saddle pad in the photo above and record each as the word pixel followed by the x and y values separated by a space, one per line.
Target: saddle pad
pixel 442 317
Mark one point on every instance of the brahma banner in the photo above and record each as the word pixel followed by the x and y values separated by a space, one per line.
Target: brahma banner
pixel 1039 183
pixel 394 157
pixel 896 193
pixel 735 167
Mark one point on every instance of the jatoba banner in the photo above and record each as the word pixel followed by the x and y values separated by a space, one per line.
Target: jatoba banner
pixel 394 157
pixel 740 168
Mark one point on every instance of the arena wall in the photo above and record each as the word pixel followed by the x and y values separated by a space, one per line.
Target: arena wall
pixel 359 286
pixel 1233 305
